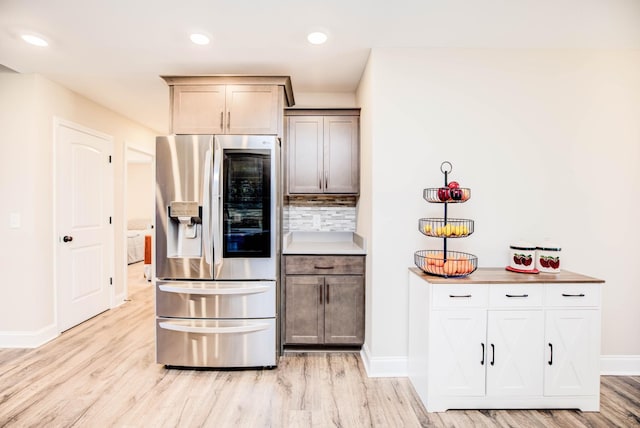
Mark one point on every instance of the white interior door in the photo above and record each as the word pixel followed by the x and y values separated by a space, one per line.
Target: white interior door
pixel 84 204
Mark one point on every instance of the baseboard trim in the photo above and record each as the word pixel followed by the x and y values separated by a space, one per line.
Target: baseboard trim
pixel 383 366
pixel 620 365
pixel 28 339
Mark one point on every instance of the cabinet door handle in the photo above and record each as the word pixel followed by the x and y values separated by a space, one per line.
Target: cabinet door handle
pixel 551 356
pixel 222 120
pixel 517 295
pixel 326 180
pixel 572 295
pixel 328 288
pixel 465 296
pixel 320 182
pixel 228 120
pixel 493 354
pixel 320 293
pixel 323 267
pixel 482 362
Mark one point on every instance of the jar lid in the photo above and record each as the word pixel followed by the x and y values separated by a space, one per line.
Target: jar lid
pixel 523 246
pixel 548 245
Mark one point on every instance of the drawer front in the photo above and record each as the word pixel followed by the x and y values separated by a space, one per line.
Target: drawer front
pixel 216 343
pixel 573 295
pixel 460 296
pixel 515 295
pixel 216 299
pixel 324 265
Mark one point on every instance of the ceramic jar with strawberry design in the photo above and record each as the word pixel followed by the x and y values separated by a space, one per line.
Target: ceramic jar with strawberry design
pixel 548 257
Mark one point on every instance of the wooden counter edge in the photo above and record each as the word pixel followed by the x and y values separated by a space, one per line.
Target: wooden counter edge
pixel 503 276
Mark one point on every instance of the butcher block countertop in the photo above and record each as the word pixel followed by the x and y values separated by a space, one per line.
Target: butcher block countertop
pixel 503 276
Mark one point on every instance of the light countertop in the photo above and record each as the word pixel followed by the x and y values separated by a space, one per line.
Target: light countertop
pixel 340 243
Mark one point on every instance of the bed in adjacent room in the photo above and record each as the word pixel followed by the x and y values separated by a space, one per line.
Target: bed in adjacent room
pixel 137 229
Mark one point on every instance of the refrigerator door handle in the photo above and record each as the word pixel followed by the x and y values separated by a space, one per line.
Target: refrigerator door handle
pixel 214 291
pixel 206 210
pixel 213 330
pixel 216 205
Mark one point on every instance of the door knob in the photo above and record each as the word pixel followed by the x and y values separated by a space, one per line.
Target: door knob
pixel 67 238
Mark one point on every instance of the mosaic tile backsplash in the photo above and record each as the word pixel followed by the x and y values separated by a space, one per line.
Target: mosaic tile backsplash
pixel 319 218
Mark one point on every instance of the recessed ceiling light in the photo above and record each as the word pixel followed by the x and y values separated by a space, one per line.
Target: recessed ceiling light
pixel 199 39
pixel 34 40
pixel 317 37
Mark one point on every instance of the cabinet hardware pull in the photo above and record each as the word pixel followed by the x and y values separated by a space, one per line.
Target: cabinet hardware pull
pixel 228 120
pixel 320 294
pixel 493 354
pixel 320 182
pixel 460 295
pixel 323 267
pixel 551 357
pixel 328 294
pixel 326 180
pixel 482 362
pixel 517 295
pixel 221 120
pixel 572 295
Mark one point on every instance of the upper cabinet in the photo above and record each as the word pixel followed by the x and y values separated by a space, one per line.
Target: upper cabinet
pixel 323 155
pixel 228 104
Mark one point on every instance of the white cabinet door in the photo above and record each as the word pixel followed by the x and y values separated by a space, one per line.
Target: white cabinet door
pixel 515 353
pixel 572 344
pixel 457 352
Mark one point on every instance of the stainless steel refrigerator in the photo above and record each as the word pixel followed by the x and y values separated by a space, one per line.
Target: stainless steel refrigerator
pixel 217 246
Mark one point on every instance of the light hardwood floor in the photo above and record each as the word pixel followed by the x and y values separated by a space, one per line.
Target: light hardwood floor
pixel 102 373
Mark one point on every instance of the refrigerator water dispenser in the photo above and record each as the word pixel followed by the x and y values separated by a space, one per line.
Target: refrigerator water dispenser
pixel 184 237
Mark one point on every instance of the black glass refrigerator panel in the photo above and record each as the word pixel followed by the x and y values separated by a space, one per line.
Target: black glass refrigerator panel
pixel 246 204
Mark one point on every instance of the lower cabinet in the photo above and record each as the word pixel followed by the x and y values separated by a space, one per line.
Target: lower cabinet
pixel 504 345
pixel 324 309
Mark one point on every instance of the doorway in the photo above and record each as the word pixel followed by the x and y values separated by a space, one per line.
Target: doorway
pixel 83 222
pixel 139 210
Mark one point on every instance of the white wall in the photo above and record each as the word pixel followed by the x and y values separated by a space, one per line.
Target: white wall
pixel 27 107
pixel 325 100
pixel 547 140
pixel 140 196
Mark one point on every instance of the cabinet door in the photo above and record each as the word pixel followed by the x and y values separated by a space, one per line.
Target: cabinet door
pixel 252 109
pixel 515 353
pixel 344 310
pixel 458 354
pixel 305 148
pixel 304 314
pixel 198 109
pixel 341 154
pixel 572 343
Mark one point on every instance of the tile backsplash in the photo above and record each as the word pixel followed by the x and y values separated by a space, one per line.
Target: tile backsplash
pixel 320 213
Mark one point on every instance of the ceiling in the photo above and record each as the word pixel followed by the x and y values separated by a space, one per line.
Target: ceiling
pixel 113 52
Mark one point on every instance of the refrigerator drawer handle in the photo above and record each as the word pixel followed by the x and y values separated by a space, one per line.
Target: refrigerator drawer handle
pixel 214 330
pixel 214 291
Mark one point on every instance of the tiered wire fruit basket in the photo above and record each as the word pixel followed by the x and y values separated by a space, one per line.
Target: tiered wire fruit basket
pixel 446 263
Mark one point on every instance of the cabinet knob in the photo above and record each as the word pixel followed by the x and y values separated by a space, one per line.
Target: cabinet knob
pixel 67 238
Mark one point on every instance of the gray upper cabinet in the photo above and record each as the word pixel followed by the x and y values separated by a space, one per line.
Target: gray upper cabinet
pixel 228 104
pixel 323 152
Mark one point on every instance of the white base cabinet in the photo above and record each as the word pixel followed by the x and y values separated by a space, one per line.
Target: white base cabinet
pixel 504 346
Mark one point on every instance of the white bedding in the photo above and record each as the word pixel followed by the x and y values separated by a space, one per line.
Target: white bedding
pixel 137 230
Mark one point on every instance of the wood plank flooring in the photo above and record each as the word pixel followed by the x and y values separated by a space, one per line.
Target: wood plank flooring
pixel 102 373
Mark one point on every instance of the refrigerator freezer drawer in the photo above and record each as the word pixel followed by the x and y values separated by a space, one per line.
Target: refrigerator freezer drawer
pixel 216 343
pixel 216 299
